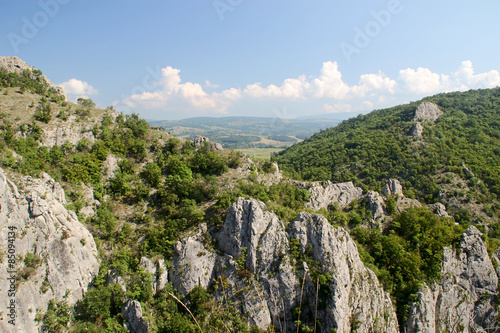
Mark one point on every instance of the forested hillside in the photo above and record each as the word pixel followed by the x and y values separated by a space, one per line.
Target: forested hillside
pixel 370 149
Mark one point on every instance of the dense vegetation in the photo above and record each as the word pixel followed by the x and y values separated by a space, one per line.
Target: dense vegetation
pixel 31 81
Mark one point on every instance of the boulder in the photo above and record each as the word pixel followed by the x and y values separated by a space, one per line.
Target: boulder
pixel 393 187
pixel 132 313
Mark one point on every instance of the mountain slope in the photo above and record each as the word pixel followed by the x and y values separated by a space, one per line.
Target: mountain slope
pixel 462 148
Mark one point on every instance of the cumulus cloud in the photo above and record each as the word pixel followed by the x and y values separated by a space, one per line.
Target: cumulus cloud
pixel 328 87
pixel 465 75
pixel 77 88
pixel 173 94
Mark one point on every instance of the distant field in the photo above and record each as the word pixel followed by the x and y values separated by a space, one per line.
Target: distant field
pixel 260 153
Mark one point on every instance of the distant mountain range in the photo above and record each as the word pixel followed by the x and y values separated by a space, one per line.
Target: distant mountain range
pixel 266 131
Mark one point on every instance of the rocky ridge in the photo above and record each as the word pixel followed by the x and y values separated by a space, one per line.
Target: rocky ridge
pixel 63 255
pixel 256 269
pixel 466 297
pixel 200 140
pixel 16 65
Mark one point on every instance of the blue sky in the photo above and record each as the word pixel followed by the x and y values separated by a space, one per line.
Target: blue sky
pixel 178 59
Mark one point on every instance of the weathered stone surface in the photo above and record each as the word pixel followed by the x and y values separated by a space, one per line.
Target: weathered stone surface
pixel 135 322
pixel 255 258
pixel 427 111
pixel 193 263
pixel 375 204
pixel 356 296
pixel 113 277
pixel 392 187
pixel 71 132
pixel 67 252
pixel 464 300
pixel 157 271
pixel 110 166
pixel 323 194
pixel 417 130
pixel 439 209
pixel 89 202
pixel 199 140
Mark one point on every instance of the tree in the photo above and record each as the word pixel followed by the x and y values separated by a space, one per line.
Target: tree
pixel 85 102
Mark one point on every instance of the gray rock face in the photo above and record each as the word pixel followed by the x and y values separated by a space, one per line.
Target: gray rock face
pixel 427 111
pixel 71 132
pixel 193 263
pixel 375 204
pixel 199 140
pixel 113 277
pixel 157 271
pixel 464 300
pixel 255 257
pixel 132 312
pixel 357 300
pixel 326 193
pixel 439 209
pixel 16 65
pixel 393 187
pixel 66 252
pixel 110 166
pixel 417 130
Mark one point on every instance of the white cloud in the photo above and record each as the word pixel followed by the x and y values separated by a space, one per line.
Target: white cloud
pixel 465 75
pixel 172 94
pixel 328 88
pixel 338 107
pixel 77 88
pixel 209 84
pixel 422 80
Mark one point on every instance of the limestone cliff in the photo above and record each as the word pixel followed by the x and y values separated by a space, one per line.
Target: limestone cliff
pixel 257 268
pixel 54 252
pixel 465 299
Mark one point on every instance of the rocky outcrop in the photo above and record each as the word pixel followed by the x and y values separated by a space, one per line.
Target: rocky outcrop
pixel 158 272
pixel 193 263
pixel 63 255
pixel 427 111
pixel 465 298
pixel 16 65
pixel 417 130
pixel 200 140
pixel 439 209
pixel 71 132
pixel 110 166
pixel 323 194
pixel 375 204
pixel 393 187
pixel 132 313
pixel 258 268
pixel 90 204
